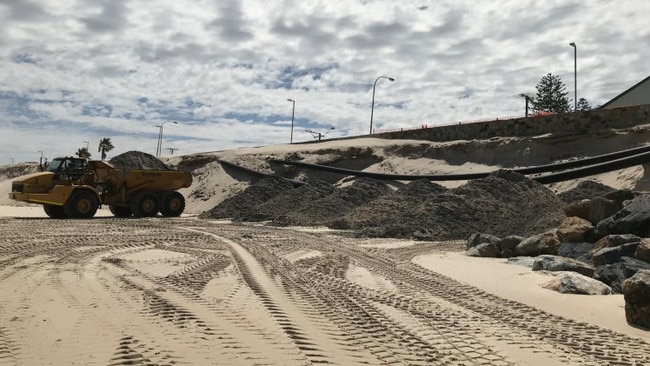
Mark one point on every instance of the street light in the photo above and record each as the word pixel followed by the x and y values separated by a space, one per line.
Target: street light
pixel 293 113
pixel 575 75
pixel 372 108
pixel 40 162
pixel 160 137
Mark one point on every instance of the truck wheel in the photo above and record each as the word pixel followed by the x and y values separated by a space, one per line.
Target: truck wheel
pixel 172 204
pixel 120 211
pixel 81 205
pixel 144 204
pixel 54 211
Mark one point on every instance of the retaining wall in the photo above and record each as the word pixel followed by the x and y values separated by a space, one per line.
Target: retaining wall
pixel 567 123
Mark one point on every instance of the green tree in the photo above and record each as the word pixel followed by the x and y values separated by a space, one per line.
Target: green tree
pixel 105 145
pixel 583 105
pixel 551 95
pixel 83 153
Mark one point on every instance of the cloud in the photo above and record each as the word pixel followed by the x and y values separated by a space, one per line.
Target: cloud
pixel 81 70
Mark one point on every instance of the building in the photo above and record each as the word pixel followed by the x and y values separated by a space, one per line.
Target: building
pixel 639 94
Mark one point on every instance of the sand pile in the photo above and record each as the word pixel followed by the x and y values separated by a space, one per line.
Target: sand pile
pixel 502 204
pixel 138 160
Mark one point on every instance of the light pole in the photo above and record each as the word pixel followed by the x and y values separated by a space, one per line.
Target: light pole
pixel 293 113
pixel 372 108
pixel 40 162
pixel 160 137
pixel 575 75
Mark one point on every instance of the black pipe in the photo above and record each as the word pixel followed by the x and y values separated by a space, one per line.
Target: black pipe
pixel 604 165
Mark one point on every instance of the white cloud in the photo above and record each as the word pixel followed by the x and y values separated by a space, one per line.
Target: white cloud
pixel 81 70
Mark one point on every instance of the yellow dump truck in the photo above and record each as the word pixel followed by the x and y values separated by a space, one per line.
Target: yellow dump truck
pixel 76 187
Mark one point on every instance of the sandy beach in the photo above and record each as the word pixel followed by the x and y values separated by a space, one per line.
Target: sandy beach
pixel 189 290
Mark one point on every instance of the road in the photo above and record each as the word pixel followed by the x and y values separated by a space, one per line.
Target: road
pixel 158 291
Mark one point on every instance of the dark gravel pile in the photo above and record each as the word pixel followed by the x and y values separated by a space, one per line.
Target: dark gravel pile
pixel 505 203
pixel 332 207
pixel 245 206
pixel 585 190
pixel 138 160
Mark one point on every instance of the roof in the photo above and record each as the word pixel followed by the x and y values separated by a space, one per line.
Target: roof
pixel 625 92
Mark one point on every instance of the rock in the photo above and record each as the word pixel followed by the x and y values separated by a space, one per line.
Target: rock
pixel 508 245
pixel 575 283
pixel 522 261
pixel 614 274
pixel 557 263
pixel 577 251
pixel 480 238
pixel 620 196
pixel 636 292
pixel 613 255
pixel 602 208
pixel 545 243
pixel 632 219
pixel 484 250
pixel 616 240
pixel 573 230
pixel 578 209
pixel 643 250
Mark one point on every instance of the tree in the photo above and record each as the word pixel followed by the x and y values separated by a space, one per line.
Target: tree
pixel 583 105
pixel 83 153
pixel 551 95
pixel 105 145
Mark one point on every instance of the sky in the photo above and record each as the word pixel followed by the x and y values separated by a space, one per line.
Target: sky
pixel 76 71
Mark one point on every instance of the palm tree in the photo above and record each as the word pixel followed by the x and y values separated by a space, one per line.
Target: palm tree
pixel 83 153
pixel 105 145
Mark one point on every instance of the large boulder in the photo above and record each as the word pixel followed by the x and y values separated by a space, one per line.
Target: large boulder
pixel 480 238
pixel 484 250
pixel 577 251
pixel 575 283
pixel 578 209
pixel 508 245
pixel 616 240
pixel 602 208
pixel 613 255
pixel 632 219
pixel 636 291
pixel 643 250
pixel 614 274
pixel 545 243
pixel 573 230
pixel 556 263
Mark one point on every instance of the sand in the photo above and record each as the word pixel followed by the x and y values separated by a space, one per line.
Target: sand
pixel 190 291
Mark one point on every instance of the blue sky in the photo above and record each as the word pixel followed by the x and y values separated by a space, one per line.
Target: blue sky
pixel 74 71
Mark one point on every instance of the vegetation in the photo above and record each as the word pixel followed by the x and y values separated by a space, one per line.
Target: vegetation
pixel 583 105
pixel 105 145
pixel 83 153
pixel 551 95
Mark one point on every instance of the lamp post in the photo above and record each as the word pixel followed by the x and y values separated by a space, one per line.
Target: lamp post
pixel 372 108
pixel 575 75
pixel 160 137
pixel 293 113
pixel 40 162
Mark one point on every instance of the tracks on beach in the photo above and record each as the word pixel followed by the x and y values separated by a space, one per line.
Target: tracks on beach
pixel 173 291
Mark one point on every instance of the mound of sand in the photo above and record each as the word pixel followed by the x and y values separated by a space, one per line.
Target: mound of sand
pixel 138 160
pixel 505 203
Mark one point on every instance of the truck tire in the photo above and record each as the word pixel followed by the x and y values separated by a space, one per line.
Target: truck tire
pixel 54 211
pixel 82 204
pixel 172 204
pixel 144 204
pixel 120 211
